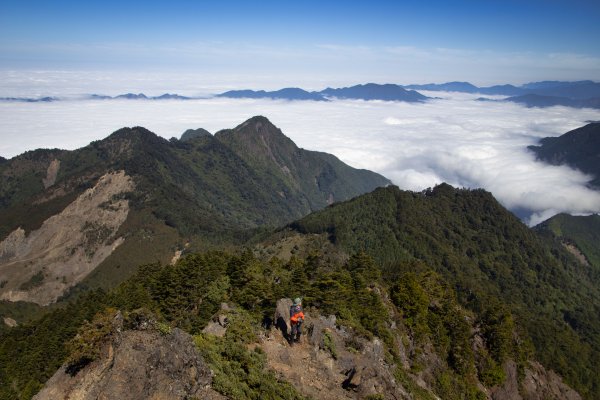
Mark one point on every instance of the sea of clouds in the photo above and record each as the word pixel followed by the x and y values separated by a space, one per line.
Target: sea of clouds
pixel 454 138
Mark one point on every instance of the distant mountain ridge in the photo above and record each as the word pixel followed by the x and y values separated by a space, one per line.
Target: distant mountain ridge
pixel 369 91
pixel 373 91
pixel 140 96
pixel 580 94
pixel 45 99
pixel 536 100
pixel 579 148
pixel 126 96
pixel 466 87
pixel 282 94
pixel 572 90
pixel 577 94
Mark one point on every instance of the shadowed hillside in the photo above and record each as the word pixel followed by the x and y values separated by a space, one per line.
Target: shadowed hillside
pixel 579 148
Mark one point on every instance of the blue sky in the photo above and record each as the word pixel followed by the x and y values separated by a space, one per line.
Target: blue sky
pixel 310 43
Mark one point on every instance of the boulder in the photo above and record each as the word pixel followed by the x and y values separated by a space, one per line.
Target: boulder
pixel 219 323
pixel 281 318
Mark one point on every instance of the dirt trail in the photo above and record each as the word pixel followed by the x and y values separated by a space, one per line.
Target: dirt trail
pixel 329 362
pixel 308 368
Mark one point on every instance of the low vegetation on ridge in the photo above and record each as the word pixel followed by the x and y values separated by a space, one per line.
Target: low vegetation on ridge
pixel 420 308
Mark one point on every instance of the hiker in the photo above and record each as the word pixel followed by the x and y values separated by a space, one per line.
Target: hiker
pixel 296 319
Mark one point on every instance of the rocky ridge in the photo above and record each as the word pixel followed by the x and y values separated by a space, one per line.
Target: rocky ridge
pixel 137 364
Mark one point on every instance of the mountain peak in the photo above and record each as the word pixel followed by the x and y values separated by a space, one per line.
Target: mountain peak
pixel 256 128
pixel 127 142
pixel 132 96
pixel 137 134
pixel 257 137
pixel 375 91
pixel 131 131
pixel 194 133
pixel 256 124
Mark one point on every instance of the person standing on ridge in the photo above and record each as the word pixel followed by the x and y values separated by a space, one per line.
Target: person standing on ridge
pixel 296 319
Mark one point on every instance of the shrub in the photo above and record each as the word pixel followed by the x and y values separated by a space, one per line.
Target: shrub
pixel 85 347
pixel 329 344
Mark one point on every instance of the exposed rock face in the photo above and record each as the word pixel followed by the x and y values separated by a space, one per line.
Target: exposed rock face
pixel 39 267
pixel 542 384
pixel 51 174
pixel 538 384
pixel 573 249
pixel 281 319
pixel 332 362
pixel 138 365
pixel 314 370
pixel 218 325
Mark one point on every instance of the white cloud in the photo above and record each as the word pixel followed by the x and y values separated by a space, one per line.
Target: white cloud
pixel 454 139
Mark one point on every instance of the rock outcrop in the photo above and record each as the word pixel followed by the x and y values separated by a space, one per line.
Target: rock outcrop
pixel 538 384
pixel 51 173
pixel 138 365
pixel 329 362
pixel 217 326
pixel 281 318
pixel 333 362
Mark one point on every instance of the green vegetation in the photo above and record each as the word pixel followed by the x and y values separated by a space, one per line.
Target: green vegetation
pixel 240 373
pixel 188 294
pixel 583 232
pixel 35 281
pixel 329 345
pixel 32 352
pixel 578 148
pixel 21 311
pixel 86 345
pixel 485 254
pixel 213 179
pixel 434 270
pixel 417 391
pixel 227 188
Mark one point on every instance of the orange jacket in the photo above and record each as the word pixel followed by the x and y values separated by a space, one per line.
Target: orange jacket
pixel 296 314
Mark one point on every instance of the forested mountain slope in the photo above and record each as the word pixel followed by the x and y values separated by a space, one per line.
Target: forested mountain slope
pixel 579 148
pixel 365 336
pixel 579 234
pixel 135 197
pixel 485 253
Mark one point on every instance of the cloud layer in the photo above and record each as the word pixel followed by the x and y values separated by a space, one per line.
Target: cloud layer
pixel 454 139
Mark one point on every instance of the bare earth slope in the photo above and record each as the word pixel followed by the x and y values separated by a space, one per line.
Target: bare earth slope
pixel 40 266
